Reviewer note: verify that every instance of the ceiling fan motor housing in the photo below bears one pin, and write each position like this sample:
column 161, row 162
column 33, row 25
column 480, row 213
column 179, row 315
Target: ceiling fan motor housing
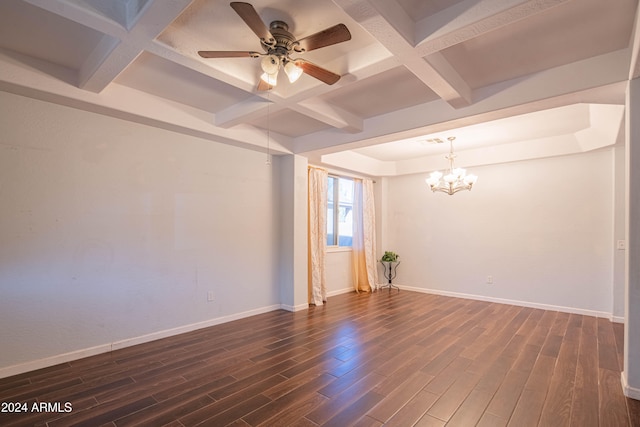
column 284, row 40
column 278, row 43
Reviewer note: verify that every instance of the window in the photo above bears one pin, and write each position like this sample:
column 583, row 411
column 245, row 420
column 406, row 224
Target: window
column 339, row 211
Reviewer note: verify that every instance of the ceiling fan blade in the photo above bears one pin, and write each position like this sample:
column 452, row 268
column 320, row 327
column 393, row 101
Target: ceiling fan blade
column 318, row 72
column 332, row 35
column 227, row 54
column 263, row 86
column 252, row 19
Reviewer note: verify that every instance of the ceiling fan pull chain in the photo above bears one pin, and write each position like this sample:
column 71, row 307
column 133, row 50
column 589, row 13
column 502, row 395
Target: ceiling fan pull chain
column 268, row 162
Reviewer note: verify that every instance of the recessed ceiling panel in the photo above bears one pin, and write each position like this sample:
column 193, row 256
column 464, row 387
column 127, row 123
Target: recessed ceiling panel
column 124, row 12
column 34, row 32
column 289, row 123
column 420, row 9
column 542, row 124
column 391, row 90
column 560, row 35
column 157, row 76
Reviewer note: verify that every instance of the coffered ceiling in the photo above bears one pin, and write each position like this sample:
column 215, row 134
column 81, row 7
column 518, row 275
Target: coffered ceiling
column 510, row 79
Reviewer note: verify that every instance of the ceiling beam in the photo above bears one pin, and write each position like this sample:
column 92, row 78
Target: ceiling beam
column 244, row 112
column 362, row 67
column 108, row 59
column 82, row 15
column 329, row 114
column 589, row 80
column 469, row 19
column 194, row 62
column 96, row 75
column 254, row 108
column 119, row 47
column 394, row 31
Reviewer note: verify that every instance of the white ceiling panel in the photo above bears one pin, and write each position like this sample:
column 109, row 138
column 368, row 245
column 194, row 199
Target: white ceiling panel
column 166, row 79
column 36, row 33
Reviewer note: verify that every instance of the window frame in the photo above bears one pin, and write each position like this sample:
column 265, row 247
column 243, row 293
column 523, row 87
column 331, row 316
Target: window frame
column 336, row 247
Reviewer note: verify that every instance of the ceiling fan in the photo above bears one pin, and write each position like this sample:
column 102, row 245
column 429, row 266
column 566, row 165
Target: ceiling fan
column 279, row 44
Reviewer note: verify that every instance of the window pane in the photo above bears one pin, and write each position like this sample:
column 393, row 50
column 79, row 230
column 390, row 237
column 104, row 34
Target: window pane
column 339, row 211
column 345, row 217
column 331, row 234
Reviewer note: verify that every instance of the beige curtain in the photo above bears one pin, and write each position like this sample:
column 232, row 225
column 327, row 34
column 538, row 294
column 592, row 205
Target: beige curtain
column 317, row 229
column 365, row 272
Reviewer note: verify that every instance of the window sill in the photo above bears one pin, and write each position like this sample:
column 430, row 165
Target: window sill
column 339, row 248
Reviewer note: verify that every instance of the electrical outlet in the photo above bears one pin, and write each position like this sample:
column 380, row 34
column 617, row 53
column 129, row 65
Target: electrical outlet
column 210, row 296
column 489, row 280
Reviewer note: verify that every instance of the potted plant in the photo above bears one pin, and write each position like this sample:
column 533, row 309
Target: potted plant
column 390, row 263
column 390, row 257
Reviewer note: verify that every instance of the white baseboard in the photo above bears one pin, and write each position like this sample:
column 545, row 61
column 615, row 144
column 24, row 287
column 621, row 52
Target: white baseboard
column 128, row 342
column 631, row 392
column 294, row 308
column 572, row 310
column 33, row 365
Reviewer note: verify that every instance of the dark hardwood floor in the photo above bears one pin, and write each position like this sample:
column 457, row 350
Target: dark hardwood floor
column 387, row 358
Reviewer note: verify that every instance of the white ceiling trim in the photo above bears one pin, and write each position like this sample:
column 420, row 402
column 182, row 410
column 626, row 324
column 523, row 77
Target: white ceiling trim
column 604, row 126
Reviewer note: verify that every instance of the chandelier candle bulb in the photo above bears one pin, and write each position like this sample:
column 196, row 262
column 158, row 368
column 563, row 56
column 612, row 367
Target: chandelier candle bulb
column 470, row 179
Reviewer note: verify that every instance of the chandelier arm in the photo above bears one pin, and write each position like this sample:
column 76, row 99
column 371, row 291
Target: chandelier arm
column 451, row 189
column 461, row 188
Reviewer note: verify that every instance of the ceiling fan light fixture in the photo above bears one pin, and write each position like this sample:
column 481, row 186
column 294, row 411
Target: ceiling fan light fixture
column 270, row 64
column 278, row 43
column 270, row 79
column 292, row 71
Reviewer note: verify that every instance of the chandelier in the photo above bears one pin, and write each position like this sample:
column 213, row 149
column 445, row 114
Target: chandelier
column 456, row 179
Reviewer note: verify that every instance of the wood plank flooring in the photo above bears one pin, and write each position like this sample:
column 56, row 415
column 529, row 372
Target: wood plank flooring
column 387, row 358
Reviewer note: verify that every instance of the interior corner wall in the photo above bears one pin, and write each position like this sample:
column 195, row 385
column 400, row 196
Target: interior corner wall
column 541, row 231
column 631, row 374
column 619, row 231
column 111, row 231
column 293, row 258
